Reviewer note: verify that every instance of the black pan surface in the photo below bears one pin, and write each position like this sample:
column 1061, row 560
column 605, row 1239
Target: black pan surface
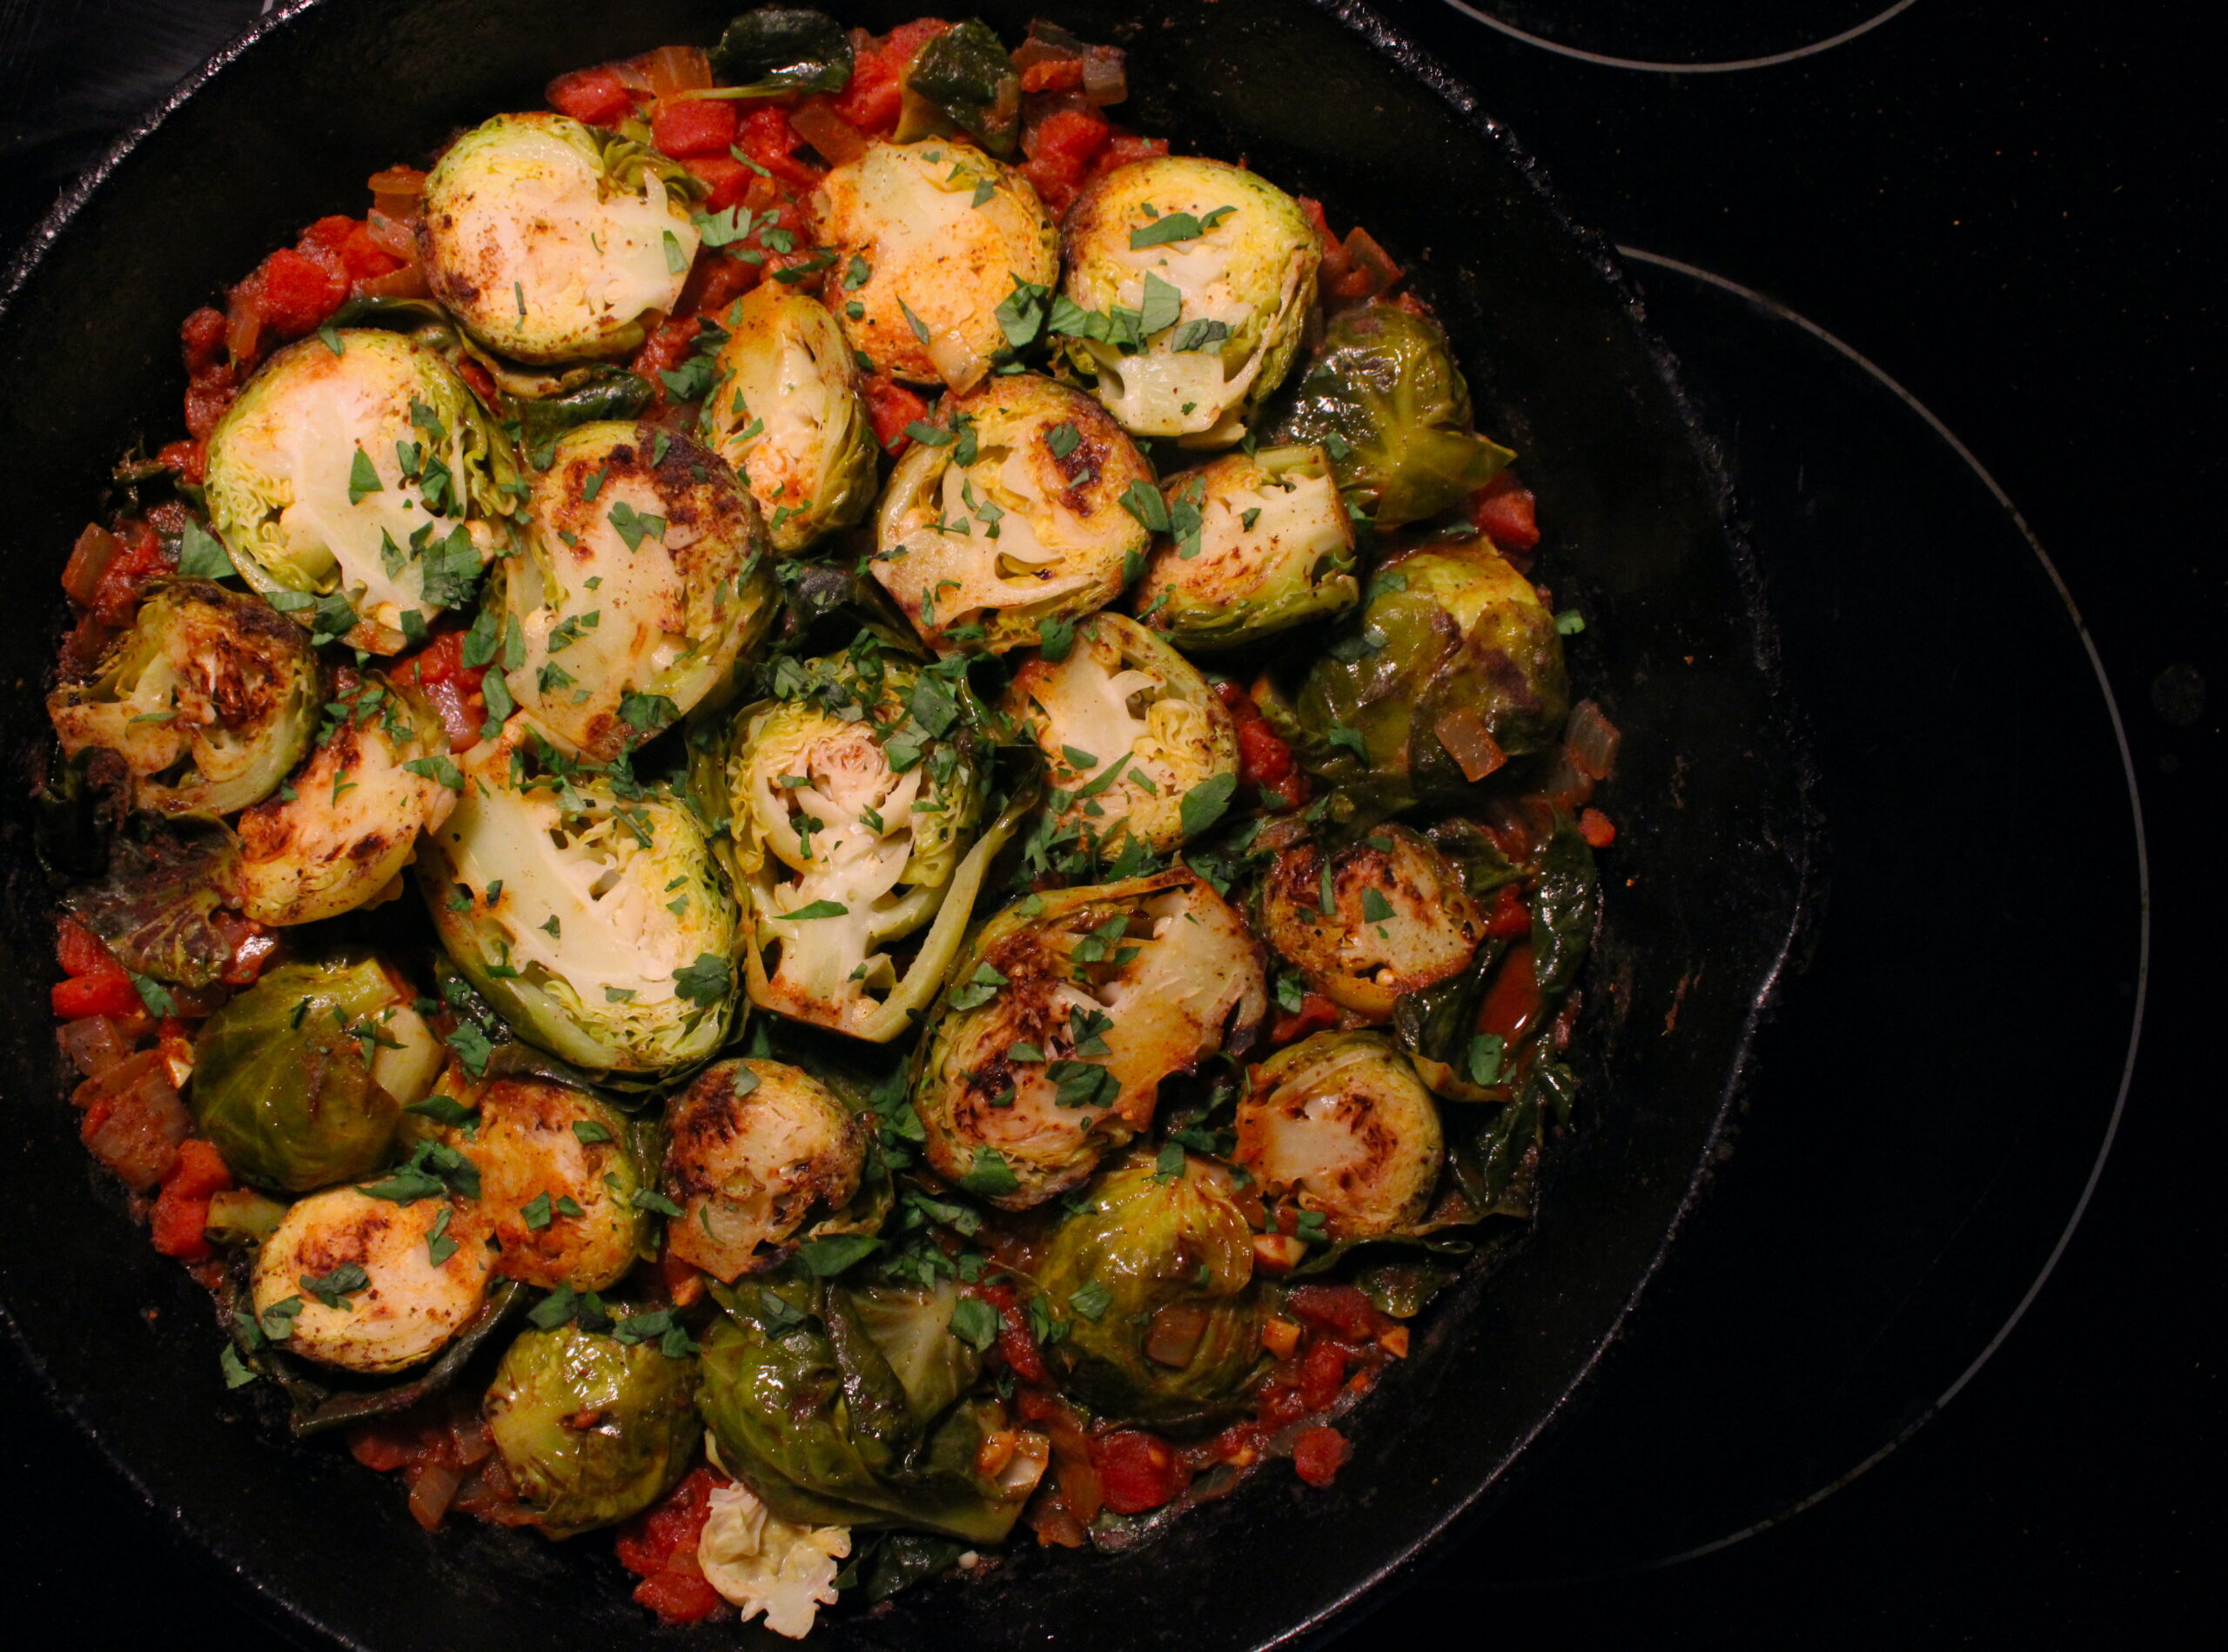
column 1711, row 867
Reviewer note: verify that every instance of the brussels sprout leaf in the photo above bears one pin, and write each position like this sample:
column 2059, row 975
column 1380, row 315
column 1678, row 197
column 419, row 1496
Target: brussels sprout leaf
column 774, row 50
column 201, row 554
column 1205, row 802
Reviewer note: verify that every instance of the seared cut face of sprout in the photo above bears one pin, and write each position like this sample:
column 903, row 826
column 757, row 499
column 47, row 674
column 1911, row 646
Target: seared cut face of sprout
column 1258, row 543
column 1340, row 1124
column 208, row 700
column 585, row 907
column 355, row 810
column 852, row 827
column 1190, row 280
column 785, row 411
column 557, row 1180
column 645, row 578
column 551, row 241
column 929, row 240
column 1384, row 917
column 1068, row 1010
column 1129, row 729
column 361, row 489
column 1016, row 523
column 348, row 1279
column 755, row 1149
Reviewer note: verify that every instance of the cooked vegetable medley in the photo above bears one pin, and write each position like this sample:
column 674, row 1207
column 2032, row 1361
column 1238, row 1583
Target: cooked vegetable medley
column 997, row 836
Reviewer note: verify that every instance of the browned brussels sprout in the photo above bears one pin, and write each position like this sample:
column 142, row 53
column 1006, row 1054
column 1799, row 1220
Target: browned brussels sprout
column 1383, row 917
column 352, row 1280
column 1340, row 1123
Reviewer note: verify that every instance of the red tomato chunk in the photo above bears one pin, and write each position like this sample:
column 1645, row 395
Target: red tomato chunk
column 1317, row 1452
column 1138, row 1471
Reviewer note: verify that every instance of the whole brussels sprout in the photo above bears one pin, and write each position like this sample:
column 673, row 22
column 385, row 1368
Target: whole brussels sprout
column 590, row 1429
column 754, row 1148
column 552, row 241
column 356, row 811
column 357, row 1281
column 645, row 579
column 558, row 1175
column 807, row 1408
column 586, row 908
column 1386, row 400
column 1457, row 668
column 364, row 489
column 850, row 827
column 991, row 541
column 1400, row 919
column 1340, row 1123
column 299, row 1081
column 1068, row 1010
column 1191, row 280
column 929, row 238
column 1150, row 1278
column 210, row 699
column 1267, row 545
column 786, row 411
column 1129, row 729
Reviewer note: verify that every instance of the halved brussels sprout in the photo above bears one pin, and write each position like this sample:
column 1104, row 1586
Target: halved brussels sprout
column 299, row 1081
column 1340, row 1123
column 754, row 1148
column 586, row 907
column 208, row 699
column 1015, row 525
column 848, row 833
column 551, row 241
column 1129, row 728
column 1264, row 544
column 1069, row 1008
column 355, row 812
column 557, row 1179
column 1386, row 400
column 590, row 1430
column 1460, row 668
column 367, row 485
column 350, row 1279
column 929, row 240
column 786, row 411
column 645, row 579
column 1195, row 278
column 1176, row 1335
column 1398, row 918
column 807, row 1406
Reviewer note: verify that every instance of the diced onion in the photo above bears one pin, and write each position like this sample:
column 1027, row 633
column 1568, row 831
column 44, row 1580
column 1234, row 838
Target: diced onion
column 1592, row 740
column 837, row 140
column 1467, row 740
column 674, row 68
column 1105, row 76
column 93, row 1044
column 433, row 1486
column 89, row 559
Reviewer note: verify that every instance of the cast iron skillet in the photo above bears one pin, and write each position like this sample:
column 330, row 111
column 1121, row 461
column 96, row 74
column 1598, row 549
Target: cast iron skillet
column 1707, row 877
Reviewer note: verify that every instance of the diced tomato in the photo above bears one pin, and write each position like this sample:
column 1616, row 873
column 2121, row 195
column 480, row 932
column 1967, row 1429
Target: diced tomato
column 450, row 686
column 182, row 1208
column 768, row 138
column 1508, row 919
column 1504, row 510
column 1264, row 761
column 481, row 380
column 667, row 348
column 1315, row 1012
column 1317, row 1454
column 1059, row 147
column 188, row 459
column 1139, row 1471
column 871, row 101
column 1281, row 1404
column 689, row 127
column 201, row 339
column 658, row 1546
column 366, row 260
column 82, row 952
column 326, row 235
column 295, row 292
column 1511, row 997
column 714, row 284
column 1122, row 148
column 1336, row 264
column 1054, row 74
column 724, row 176
column 893, row 407
column 1341, row 1308
column 116, row 598
column 1016, row 1346
column 1596, row 829
column 87, row 994
column 1322, row 1372
column 596, row 96
column 208, row 393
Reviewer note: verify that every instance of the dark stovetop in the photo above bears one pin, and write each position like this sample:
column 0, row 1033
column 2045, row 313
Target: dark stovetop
column 1935, row 278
